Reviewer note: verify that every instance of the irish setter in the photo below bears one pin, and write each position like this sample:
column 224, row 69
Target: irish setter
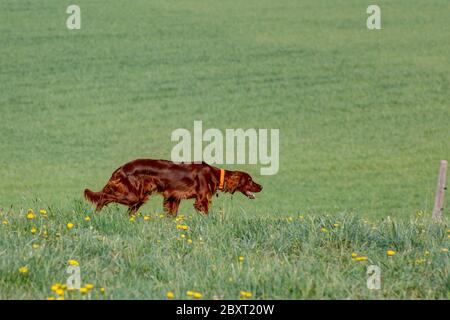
column 134, row 182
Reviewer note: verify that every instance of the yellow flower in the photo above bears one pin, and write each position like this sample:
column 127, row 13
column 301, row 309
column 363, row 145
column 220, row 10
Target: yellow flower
column 74, row 263
column 23, row 269
column 189, row 241
column 245, row 294
column 354, row 254
column 170, row 295
column 31, row 216
column 336, row 225
column 182, row 227
column 146, row 218
column 161, row 216
column 426, row 253
column 35, row 245
column 301, row 217
column 133, row 219
column 51, row 298
column 87, row 218
column 55, row 287
column 183, row 236
column 190, row 293
column 5, row 222
column 444, row 250
column 290, row 219
column 323, row 230
column 361, row 259
column 70, row 225
column 83, row 290
column 241, row 259
column 390, row 253
column 43, row 211
column 60, row 298
column 197, row 295
column 89, row 286
column 59, row 292
column 33, row 230
column 102, row 290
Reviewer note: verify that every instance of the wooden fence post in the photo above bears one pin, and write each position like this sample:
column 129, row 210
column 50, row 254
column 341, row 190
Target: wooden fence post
column 439, row 200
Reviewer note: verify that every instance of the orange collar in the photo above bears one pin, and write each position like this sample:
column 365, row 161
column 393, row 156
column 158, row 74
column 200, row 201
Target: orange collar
column 222, row 179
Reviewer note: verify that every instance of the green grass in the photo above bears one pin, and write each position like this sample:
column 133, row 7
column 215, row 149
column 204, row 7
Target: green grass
column 363, row 118
column 283, row 258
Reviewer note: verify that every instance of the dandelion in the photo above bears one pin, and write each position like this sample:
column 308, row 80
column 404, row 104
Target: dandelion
column 390, row 253
column 146, row 218
column 290, row 219
column 426, row 253
column 190, row 293
column 5, row 222
column 183, row 236
column 60, row 298
column 35, row 246
column 161, row 216
column 55, row 287
column 83, row 290
column 354, row 254
column 43, row 211
column 70, row 225
column 87, row 218
column 50, row 298
column 31, row 216
column 73, row 262
column 89, row 286
column 189, row 241
column 23, row 269
column 182, row 227
column 102, row 290
column 33, row 230
column 336, row 225
column 59, row 292
column 170, row 295
column 133, row 219
column 245, row 294
column 241, row 259
column 361, row 258
column 197, row 295
column 324, row 230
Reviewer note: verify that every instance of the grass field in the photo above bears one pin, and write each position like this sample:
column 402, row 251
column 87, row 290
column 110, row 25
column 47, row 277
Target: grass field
column 363, row 117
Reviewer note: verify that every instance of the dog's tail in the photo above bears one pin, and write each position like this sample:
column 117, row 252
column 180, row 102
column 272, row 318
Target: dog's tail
column 92, row 196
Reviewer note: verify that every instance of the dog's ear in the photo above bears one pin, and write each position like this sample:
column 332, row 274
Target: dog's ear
column 232, row 182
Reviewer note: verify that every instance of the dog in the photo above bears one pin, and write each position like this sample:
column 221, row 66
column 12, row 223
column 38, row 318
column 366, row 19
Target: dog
column 134, row 182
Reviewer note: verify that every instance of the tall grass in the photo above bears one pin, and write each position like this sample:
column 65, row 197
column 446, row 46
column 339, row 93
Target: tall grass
column 298, row 257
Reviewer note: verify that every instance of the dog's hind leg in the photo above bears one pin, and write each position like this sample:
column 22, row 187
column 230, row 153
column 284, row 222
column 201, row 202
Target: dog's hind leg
column 134, row 208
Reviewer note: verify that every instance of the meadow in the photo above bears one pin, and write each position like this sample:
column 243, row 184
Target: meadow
column 363, row 118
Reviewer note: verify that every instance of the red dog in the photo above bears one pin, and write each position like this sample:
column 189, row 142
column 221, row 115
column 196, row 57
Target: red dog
column 134, row 182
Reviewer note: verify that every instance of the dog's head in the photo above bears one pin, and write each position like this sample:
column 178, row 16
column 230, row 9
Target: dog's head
column 242, row 182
